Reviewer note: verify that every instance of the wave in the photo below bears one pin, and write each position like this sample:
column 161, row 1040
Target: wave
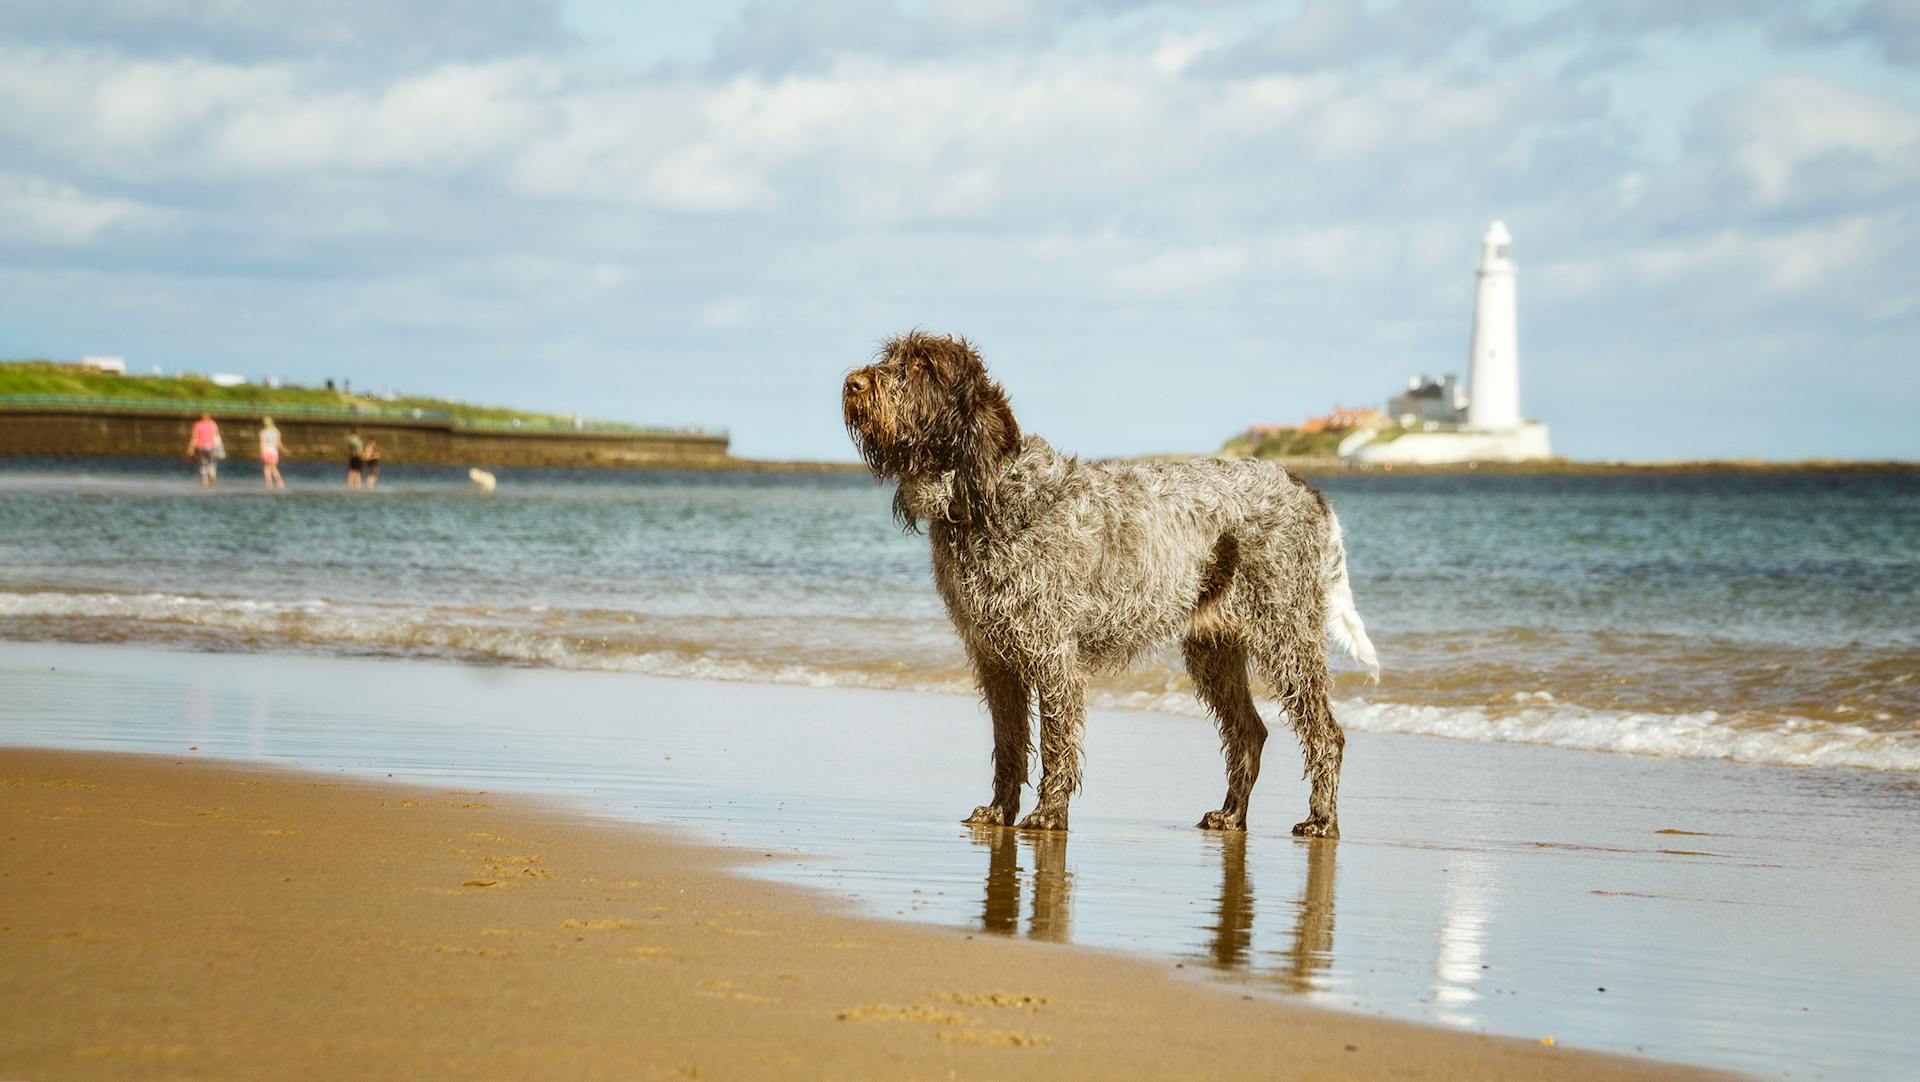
column 535, row 635
column 895, row 656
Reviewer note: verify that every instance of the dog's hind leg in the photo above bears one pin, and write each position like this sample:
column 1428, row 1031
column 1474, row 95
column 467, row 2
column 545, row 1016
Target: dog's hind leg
column 1219, row 670
column 1063, row 722
column 1303, row 682
column 1006, row 695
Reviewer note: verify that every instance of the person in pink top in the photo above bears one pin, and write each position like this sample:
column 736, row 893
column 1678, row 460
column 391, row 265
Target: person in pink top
column 204, row 449
column 271, row 448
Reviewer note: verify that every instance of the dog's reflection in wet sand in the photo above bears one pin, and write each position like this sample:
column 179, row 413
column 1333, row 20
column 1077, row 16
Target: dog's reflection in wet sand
column 1043, row 873
column 1052, row 884
column 1310, row 952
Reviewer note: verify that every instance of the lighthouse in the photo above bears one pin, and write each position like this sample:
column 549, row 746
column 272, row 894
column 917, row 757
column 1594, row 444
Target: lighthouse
column 1432, row 428
column 1493, row 403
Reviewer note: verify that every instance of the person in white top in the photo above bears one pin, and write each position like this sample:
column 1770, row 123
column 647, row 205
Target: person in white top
column 270, row 451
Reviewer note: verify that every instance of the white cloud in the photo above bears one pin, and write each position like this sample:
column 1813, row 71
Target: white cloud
column 1161, row 183
column 34, row 210
column 1182, row 270
column 1796, row 139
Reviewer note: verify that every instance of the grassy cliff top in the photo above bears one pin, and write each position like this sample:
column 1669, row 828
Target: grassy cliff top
column 1286, row 444
column 47, row 378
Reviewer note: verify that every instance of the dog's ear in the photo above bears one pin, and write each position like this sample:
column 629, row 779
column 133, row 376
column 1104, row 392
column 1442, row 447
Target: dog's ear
column 988, row 446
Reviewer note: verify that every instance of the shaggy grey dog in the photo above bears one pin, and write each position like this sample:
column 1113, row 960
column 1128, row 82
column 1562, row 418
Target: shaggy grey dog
column 1054, row 569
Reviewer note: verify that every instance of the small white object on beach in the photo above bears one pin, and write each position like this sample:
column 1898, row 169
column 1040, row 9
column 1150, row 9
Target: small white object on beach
column 482, row 480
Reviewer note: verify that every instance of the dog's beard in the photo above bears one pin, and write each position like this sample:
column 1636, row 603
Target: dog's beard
column 873, row 421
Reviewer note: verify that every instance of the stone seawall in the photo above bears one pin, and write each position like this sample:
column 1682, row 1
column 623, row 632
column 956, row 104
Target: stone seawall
column 51, row 430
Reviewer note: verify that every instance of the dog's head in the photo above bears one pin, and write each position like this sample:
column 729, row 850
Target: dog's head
column 924, row 409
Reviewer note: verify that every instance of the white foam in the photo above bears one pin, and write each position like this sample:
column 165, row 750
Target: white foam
column 1705, row 734
column 1530, row 717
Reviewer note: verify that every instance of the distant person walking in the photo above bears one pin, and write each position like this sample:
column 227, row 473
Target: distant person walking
column 370, row 462
column 205, row 450
column 356, row 460
column 271, row 448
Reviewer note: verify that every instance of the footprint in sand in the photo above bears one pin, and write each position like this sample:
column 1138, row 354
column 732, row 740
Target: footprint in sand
column 883, row 1012
column 720, row 989
column 994, row 1038
column 525, row 867
column 472, row 952
column 995, row 998
column 610, row 924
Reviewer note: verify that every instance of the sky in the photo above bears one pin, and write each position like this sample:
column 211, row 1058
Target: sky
column 1159, row 222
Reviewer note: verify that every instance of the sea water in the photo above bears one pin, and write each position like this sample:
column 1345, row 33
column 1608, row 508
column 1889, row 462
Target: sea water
column 1726, row 876
column 1758, row 617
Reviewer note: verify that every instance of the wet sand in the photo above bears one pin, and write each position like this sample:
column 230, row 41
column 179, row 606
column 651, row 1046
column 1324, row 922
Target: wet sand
column 1755, row 919
column 167, row 917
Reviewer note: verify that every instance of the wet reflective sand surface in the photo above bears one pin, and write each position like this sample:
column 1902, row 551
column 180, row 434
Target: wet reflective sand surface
column 1757, row 918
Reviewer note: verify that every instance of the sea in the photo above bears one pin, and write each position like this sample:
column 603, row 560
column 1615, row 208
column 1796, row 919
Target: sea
column 1660, row 799
column 1764, row 618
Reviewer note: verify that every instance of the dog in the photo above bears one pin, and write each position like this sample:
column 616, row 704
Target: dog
column 1054, row 569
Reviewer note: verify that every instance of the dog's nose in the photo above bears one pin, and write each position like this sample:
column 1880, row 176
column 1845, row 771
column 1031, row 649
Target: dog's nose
column 857, row 384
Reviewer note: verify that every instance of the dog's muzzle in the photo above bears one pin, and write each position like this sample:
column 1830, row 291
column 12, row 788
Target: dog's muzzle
column 858, row 399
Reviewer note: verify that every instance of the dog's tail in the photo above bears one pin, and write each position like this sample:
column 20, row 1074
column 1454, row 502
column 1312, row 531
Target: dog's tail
column 1343, row 619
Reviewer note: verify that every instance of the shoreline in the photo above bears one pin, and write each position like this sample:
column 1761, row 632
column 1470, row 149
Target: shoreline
column 1482, row 888
column 1307, row 467
column 1561, row 467
column 185, row 918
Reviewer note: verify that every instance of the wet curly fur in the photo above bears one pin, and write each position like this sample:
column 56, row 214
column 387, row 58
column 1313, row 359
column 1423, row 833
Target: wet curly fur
column 1054, row 569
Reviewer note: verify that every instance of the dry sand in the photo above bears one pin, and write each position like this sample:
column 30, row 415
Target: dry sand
column 164, row 918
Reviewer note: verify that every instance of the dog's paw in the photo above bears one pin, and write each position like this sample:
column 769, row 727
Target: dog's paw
column 1318, row 828
column 1045, row 819
column 1221, row 820
column 987, row 815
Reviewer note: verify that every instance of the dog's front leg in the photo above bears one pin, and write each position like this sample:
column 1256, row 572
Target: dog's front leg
column 1006, row 693
column 1063, row 716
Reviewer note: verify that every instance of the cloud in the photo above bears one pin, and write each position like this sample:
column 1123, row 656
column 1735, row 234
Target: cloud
column 779, row 37
column 1322, row 35
column 398, row 30
column 1287, row 207
column 1893, row 26
column 1807, row 145
column 34, row 211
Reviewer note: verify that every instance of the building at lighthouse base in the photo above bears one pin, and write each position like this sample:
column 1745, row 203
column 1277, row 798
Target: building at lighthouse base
column 1526, row 443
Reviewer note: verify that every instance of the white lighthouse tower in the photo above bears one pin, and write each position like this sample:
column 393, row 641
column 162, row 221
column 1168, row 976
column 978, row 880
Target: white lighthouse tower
column 1493, row 429
column 1494, row 387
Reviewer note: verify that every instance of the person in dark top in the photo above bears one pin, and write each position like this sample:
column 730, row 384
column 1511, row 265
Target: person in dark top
column 356, row 450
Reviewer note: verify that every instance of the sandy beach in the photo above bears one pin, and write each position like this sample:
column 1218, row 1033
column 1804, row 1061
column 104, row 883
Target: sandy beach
column 316, row 861
column 180, row 919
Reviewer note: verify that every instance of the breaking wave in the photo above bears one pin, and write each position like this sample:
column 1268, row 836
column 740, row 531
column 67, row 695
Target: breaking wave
column 897, row 655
